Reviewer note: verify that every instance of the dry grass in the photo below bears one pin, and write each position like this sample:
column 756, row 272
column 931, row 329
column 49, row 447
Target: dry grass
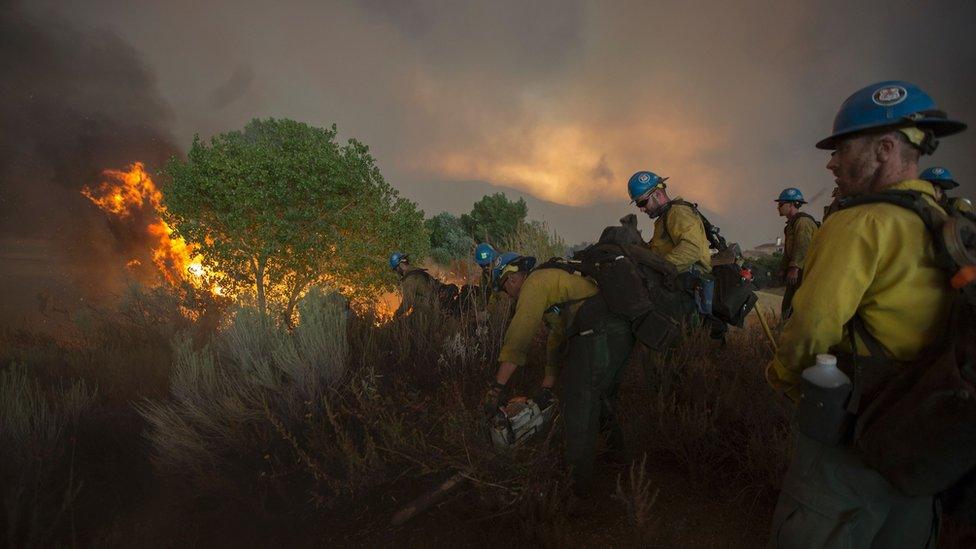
column 37, row 429
column 289, row 431
column 708, row 408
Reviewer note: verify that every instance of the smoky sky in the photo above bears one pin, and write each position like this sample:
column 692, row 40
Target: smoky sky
column 75, row 102
column 557, row 101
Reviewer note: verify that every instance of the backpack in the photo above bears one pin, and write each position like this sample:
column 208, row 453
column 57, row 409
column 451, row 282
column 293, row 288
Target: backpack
column 635, row 283
column 805, row 214
column 735, row 296
column 918, row 429
column 447, row 294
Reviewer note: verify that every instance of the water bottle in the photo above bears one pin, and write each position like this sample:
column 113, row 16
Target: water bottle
column 822, row 413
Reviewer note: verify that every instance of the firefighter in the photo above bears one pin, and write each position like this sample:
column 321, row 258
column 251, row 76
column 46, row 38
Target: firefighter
column 587, row 346
column 942, row 180
column 877, row 261
column 679, row 234
column 679, row 237
column 418, row 290
column 484, row 256
column 798, row 233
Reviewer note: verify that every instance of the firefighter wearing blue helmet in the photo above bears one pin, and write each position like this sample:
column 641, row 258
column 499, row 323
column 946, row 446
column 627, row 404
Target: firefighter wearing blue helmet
column 941, row 178
column 797, row 236
column 418, row 289
column 679, row 234
column 587, row 348
column 871, row 276
column 484, row 256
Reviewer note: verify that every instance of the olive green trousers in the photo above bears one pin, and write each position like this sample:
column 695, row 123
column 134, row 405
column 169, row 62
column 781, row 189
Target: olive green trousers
column 830, row 498
column 594, row 364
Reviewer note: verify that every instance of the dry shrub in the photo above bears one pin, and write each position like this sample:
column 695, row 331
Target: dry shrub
column 543, row 512
column 708, row 406
column 239, row 409
column 37, row 476
column 536, row 239
column 638, row 499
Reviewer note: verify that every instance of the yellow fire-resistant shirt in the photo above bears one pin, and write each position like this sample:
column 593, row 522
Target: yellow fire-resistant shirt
column 798, row 234
column 877, row 260
column 417, row 291
column 679, row 237
column 541, row 290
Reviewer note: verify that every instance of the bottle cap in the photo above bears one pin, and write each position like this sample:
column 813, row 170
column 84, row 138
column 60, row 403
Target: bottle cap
column 826, row 360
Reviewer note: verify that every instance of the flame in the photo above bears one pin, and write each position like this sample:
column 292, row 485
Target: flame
column 385, row 306
column 127, row 194
column 132, row 195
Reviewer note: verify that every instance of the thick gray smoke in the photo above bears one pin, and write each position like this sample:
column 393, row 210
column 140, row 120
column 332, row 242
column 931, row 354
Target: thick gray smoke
column 561, row 100
column 74, row 104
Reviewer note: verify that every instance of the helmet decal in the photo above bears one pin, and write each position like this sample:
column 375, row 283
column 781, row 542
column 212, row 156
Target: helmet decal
column 888, row 96
column 938, row 171
column 644, row 177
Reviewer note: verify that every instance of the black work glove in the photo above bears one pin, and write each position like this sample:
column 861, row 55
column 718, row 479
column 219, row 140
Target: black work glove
column 543, row 397
column 492, row 400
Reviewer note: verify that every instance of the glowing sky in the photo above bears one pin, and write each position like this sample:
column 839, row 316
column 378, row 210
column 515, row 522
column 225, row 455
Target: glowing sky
column 558, row 101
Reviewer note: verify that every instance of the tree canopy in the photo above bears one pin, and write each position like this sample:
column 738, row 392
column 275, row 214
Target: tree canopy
column 494, row 218
column 448, row 239
column 280, row 205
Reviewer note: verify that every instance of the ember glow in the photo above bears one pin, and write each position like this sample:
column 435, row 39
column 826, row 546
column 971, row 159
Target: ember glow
column 133, row 194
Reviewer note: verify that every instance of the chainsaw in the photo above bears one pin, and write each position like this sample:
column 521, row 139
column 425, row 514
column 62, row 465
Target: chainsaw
column 518, row 420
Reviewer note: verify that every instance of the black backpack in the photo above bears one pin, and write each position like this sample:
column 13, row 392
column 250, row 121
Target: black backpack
column 447, row 294
column 805, row 214
column 918, row 427
column 735, row 295
column 635, row 283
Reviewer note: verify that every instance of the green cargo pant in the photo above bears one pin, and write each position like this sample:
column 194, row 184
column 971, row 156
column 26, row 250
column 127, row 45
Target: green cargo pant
column 590, row 377
column 830, row 498
column 786, row 308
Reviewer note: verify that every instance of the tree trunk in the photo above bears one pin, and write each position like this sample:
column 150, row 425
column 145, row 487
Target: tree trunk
column 296, row 290
column 258, row 266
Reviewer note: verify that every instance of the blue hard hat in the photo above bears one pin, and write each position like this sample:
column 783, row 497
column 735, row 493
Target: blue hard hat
column 484, row 254
column 643, row 182
column 506, row 260
column 889, row 104
column 396, row 258
column 791, row 194
column 939, row 176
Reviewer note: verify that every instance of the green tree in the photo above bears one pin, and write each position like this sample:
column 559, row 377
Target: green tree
column 448, row 239
column 494, row 218
column 281, row 205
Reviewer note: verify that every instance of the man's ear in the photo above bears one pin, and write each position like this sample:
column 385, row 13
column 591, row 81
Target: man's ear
column 885, row 146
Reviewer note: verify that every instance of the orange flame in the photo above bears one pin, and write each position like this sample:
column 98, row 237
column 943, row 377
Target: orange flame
column 126, row 193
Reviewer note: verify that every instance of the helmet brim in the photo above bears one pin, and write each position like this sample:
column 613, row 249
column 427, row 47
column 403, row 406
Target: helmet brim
column 940, row 127
column 944, row 184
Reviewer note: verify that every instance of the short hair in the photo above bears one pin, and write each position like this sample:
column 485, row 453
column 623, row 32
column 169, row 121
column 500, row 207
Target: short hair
column 908, row 151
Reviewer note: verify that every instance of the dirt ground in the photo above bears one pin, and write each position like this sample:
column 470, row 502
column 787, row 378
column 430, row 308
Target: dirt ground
column 681, row 517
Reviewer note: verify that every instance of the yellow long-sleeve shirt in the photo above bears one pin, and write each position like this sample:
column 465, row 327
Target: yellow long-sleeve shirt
column 541, row 290
column 417, row 291
column 679, row 237
column 877, row 260
column 798, row 234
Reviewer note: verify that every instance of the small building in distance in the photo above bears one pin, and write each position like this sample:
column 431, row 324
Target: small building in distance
column 765, row 249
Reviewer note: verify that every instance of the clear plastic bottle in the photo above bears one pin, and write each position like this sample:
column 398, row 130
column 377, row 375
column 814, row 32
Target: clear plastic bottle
column 822, row 411
column 825, row 373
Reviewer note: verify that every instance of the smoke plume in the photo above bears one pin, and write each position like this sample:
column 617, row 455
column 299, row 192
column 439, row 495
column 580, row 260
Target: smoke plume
column 74, row 104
